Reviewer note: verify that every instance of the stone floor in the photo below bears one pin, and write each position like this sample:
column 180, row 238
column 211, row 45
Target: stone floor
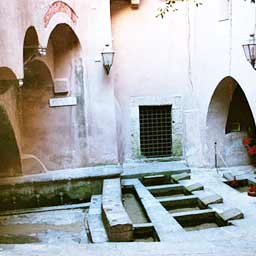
column 237, row 239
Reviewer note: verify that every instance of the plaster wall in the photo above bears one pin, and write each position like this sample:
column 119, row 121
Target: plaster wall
column 188, row 53
column 94, row 121
column 148, row 65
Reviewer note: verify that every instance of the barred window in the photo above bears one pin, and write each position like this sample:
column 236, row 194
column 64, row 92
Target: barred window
column 156, row 130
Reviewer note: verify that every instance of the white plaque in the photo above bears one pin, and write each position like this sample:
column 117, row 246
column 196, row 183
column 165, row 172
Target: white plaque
column 64, row 101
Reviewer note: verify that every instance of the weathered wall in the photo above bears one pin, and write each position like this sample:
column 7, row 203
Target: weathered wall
column 149, row 68
column 68, row 136
column 10, row 162
column 187, row 54
column 183, row 56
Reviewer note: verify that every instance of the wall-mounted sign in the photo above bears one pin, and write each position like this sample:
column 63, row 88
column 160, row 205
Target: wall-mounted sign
column 59, row 7
column 64, row 101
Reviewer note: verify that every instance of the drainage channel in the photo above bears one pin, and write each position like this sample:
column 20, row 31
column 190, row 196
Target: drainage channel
column 144, row 231
column 187, row 206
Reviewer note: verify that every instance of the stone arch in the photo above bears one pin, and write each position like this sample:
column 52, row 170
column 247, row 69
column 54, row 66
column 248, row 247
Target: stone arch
column 7, row 74
column 64, row 51
column 227, row 124
column 30, row 45
column 58, row 130
column 10, row 162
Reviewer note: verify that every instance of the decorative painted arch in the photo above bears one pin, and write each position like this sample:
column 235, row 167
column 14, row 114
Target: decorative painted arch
column 59, row 7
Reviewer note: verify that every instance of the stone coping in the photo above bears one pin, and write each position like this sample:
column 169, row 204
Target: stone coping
column 96, row 227
column 87, row 173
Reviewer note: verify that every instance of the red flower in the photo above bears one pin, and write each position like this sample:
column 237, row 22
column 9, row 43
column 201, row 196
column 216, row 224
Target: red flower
column 252, row 188
column 246, row 141
column 251, row 150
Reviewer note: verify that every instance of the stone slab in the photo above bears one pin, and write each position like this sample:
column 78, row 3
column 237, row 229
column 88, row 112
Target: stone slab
column 195, row 187
column 67, row 174
column 232, row 214
column 211, row 199
column 97, row 230
column 181, row 176
column 118, row 223
column 138, row 170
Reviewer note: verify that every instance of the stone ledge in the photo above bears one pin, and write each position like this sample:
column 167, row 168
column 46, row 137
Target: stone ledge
column 118, row 223
column 232, row 214
column 96, row 227
column 86, row 173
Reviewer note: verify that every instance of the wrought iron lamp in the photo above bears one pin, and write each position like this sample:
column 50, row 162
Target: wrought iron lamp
column 20, row 82
column 107, row 57
column 42, row 51
column 250, row 51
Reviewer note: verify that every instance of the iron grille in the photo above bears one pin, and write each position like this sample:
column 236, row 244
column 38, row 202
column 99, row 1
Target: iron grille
column 156, row 131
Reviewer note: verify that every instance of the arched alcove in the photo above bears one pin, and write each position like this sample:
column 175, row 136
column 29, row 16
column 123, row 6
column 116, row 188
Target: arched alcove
column 229, row 121
column 10, row 163
column 31, row 44
column 53, row 105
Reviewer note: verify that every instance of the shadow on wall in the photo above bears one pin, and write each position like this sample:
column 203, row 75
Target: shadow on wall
column 229, row 120
column 10, row 164
column 52, row 135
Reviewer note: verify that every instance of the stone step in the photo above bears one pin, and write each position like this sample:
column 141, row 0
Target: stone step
column 165, row 225
column 208, row 197
column 118, row 223
column 226, row 212
column 181, row 176
column 94, row 219
column 232, row 214
column 194, row 187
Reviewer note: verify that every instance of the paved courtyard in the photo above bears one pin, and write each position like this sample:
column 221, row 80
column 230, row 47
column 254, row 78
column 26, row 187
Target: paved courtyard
column 63, row 232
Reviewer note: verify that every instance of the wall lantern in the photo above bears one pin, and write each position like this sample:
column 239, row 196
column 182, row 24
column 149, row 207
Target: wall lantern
column 20, row 82
column 42, row 51
column 250, row 50
column 107, row 57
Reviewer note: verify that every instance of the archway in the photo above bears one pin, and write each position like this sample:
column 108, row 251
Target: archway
column 229, row 121
column 31, row 45
column 10, row 163
column 53, row 105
